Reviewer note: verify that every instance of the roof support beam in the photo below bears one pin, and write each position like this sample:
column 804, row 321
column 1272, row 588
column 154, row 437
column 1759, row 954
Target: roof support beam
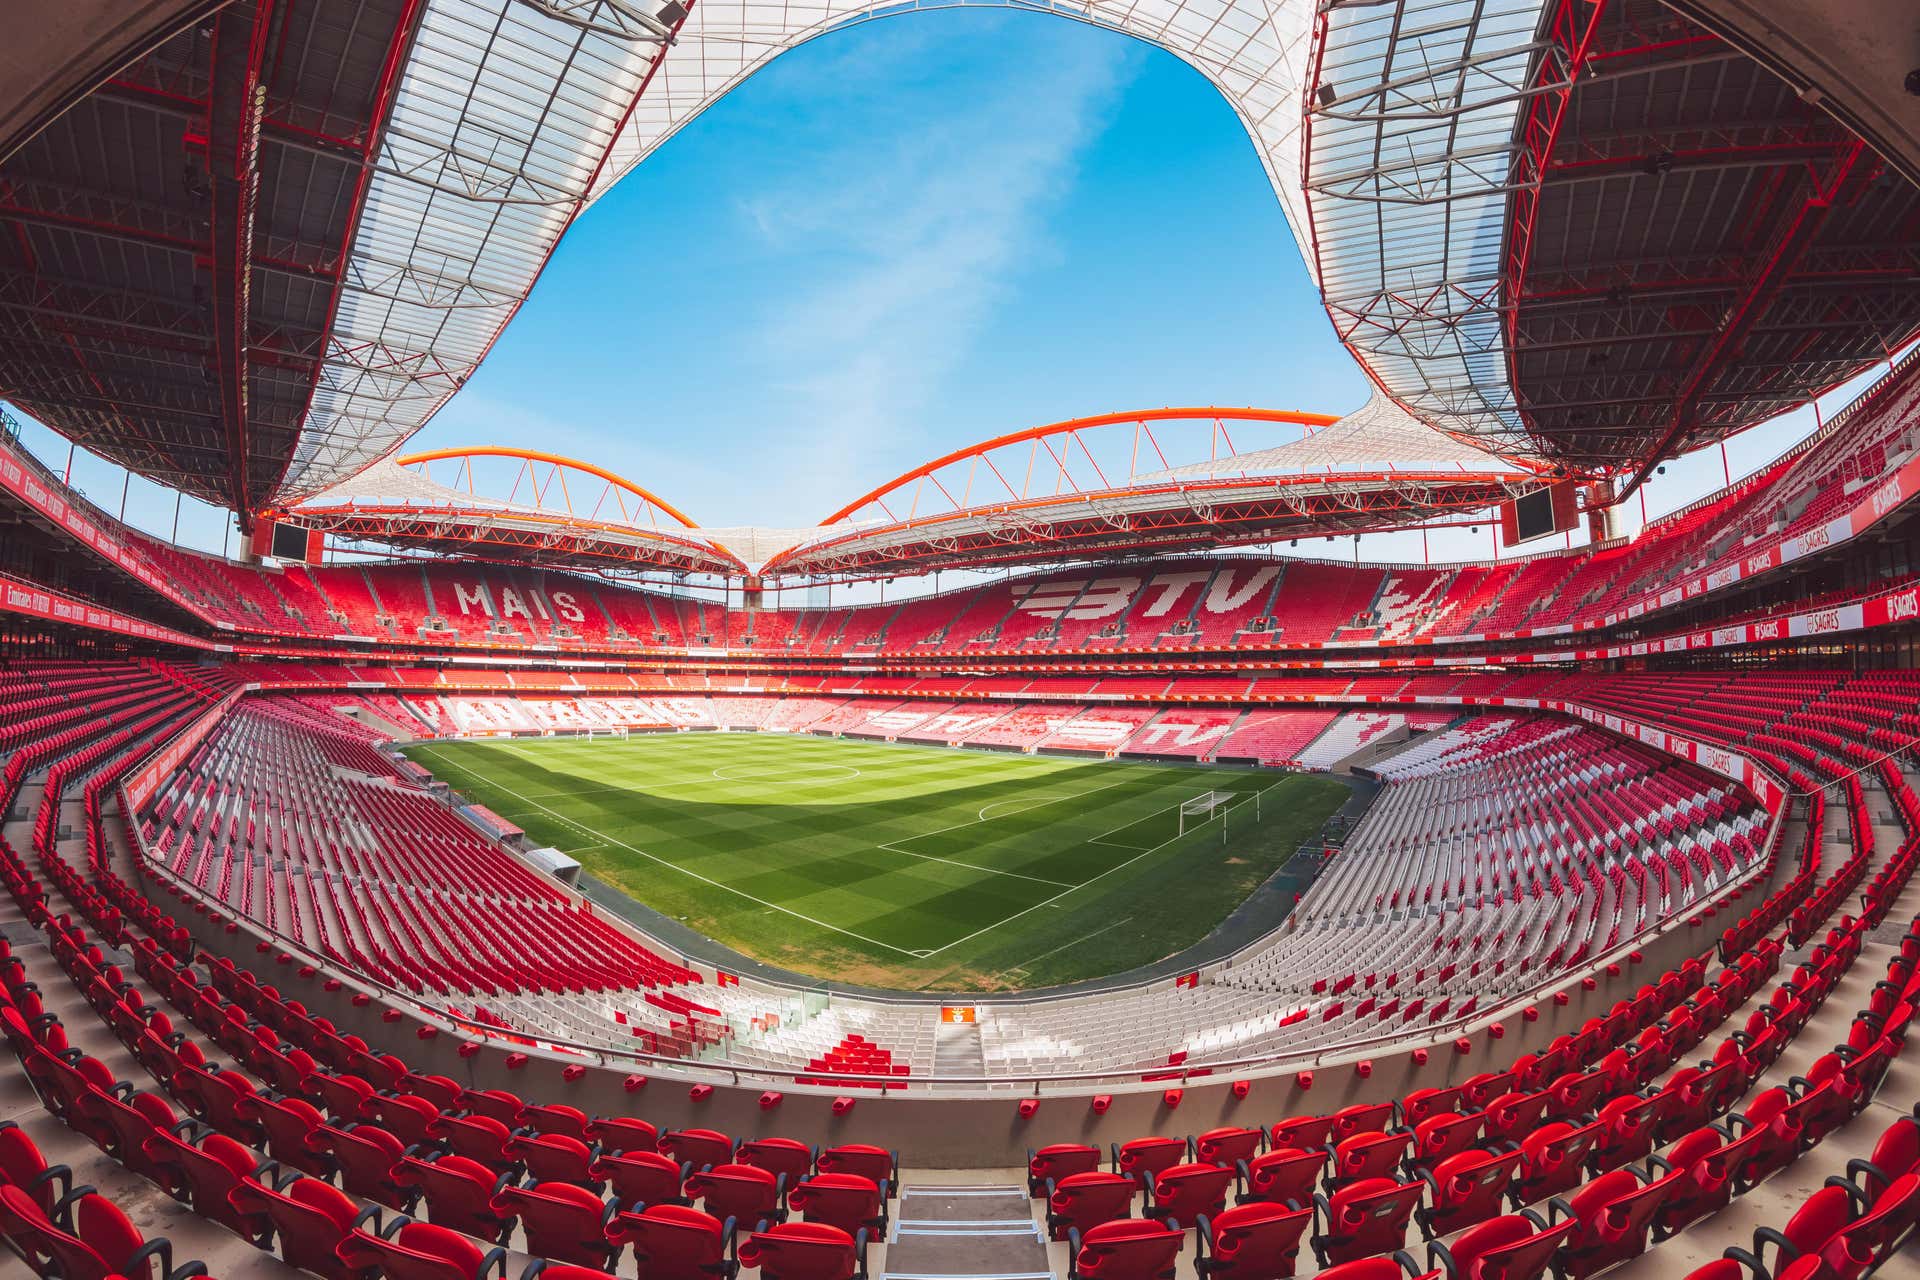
column 234, row 116
column 1570, row 27
column 1789, row 244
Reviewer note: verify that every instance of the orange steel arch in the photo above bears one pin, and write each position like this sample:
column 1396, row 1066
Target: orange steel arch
column 1290, row 417
column 534, row 455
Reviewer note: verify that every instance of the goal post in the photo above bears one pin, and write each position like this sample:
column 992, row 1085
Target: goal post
column 1209, row 805
column 615, row 731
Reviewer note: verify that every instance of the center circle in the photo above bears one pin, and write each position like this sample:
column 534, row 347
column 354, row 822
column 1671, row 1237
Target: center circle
column 783, row 775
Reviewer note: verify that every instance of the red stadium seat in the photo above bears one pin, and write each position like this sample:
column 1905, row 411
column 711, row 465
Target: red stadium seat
column 1252, row 1241
column 674, row 1242
column 409, row 1250
column 805, row 1251
column 561, row 1221
column 844, row 1200
column 1082, row 1201
column 1364, row 1218
column 310, row 1218
column 1057, row 1163
column 458, row 1192
column 1127, row 1249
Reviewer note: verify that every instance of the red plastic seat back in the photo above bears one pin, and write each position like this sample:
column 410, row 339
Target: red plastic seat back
column 802, row 1251
column 862, row 1159
column 1556, row 1156
column 289, row 1124
column 21, row 1165
column 1513, row 1116
column 1362, row 1117
column 210, row 1172
column 553, row 1157
column 495, row 1104
column 617, row 1134
column 639, row 1177
column 1872, row 1238
column 1186, row 1191
column 737, row 1191
column 458, row 1192
column 406, row 1116
column 1509, row 1248
column 1369, row 1155
column 418, row 1251
column 1286, row 1176
column 697, row 1147
column 1258, row 1241
column 561, row 1221
column 1614, row 1212
column 779, row 1156
column 310, row 1218
column 1085, row 1200
column 1301, row 1132
column 1130, row 1249
column 672, row 1241
column 366, row 1156
column 1423, row 1104
column 476, row 1137
column 1059, row 1161
column 1369, row 1217
column 47, row 1247
column 844, row 1200
column 1142, row 1159
column 556, row 1118
column 1227, row 1147
column 1444, row 1134
column 1470, row 1187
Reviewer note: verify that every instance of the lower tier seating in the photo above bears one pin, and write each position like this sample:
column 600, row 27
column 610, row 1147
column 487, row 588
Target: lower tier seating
column 1647, row 1141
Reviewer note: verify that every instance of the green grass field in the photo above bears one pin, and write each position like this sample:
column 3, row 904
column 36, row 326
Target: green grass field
column 897, row 865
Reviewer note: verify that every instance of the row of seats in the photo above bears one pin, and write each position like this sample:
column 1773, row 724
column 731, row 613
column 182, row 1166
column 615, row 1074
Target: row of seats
column 301, row 1150
column 178, row 983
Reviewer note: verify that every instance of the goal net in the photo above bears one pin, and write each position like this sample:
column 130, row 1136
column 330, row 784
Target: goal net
column 618, row 731
column 1207, row 806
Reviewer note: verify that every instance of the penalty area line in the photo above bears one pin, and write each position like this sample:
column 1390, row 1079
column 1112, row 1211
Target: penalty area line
column 1118, row 866
column 971, row 866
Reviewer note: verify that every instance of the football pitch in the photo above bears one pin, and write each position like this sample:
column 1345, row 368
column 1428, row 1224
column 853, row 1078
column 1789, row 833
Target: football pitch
column 900, row 865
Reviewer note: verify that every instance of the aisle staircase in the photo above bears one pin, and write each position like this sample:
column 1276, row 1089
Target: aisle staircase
column 954, row 1233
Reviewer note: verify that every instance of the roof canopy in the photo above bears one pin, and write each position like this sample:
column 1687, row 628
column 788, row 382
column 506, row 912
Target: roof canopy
column 1586, row 232
column 535, row 507
column 1113, row 485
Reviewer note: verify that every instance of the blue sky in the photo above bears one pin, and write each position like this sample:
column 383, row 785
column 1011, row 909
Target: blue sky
column 898, row 239
column 901, row 238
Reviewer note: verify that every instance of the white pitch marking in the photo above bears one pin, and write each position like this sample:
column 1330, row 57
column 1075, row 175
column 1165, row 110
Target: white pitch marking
column 579, row 826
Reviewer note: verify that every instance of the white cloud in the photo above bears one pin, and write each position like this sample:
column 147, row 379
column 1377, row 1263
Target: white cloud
column 918, row 241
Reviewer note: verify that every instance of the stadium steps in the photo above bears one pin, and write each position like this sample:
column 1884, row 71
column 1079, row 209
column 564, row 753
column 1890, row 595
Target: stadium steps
column 335, row 614
column 1377, row 751
column 286, row 605
column 1239, row 719
column 951, row 1233
column 1367, row 616
column 956, row 1050
column 1266, row 609
column 1188, row 618
column 158, row 1214
column 426, row 592
column 381, row 612
column 613, row 628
